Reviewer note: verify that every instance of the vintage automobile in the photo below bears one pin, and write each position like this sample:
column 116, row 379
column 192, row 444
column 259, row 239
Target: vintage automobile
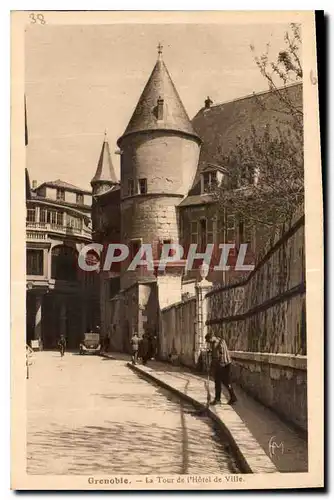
column 90, row 344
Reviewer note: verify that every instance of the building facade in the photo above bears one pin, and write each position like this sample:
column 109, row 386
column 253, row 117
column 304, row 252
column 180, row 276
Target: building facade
column 170, row 167
column 60, row 297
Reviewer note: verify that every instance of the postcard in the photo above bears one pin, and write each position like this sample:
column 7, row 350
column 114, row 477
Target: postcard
column 167, row 251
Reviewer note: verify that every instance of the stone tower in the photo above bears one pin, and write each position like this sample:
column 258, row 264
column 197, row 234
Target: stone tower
column 103, row 182
column 159, row 157
column 104, row 178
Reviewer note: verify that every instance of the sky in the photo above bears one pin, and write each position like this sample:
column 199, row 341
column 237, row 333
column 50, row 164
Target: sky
column 83, row 80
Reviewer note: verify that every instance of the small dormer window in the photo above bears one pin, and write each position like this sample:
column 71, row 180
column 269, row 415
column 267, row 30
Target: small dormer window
column 160, row 108
column 61, row 194
column 206, row 182
column 80, row 199
column 209, row 181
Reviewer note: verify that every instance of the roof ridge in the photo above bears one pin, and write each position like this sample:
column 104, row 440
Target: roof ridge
column 247, row 96
column 61, row 184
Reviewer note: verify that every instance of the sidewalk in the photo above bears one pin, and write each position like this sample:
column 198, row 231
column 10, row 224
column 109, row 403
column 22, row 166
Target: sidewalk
column 252, row 427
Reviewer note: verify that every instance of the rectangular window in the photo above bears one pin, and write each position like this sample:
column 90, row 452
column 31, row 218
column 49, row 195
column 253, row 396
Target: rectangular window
column 206, row 182
column 143, row 186
column 52, row 217
column 229, row 229
column 194, row 232
column 203, row 235
column 210, row 181
column 78, row 224
column 74, row 222
column 213, row 179
column 31, row 215
column 210, row 231
column 35, row 262
column 59, row 218
column 131, row 187
column 43, row 216
column 61, row 194
column 80, row 199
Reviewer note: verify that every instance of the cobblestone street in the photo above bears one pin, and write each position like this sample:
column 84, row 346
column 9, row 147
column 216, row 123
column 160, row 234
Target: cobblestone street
column 91, row 415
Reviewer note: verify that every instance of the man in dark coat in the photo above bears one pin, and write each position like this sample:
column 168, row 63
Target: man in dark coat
column 221, row 367
column 62, row 345
column 145, row 349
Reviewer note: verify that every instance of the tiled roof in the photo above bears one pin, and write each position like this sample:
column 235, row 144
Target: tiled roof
column 107, row 197
column 145, row 118
column 110, row 193
column 200, row 199
column 105, row 170
column 64, row 185
column 221, row 125
column 84, row 208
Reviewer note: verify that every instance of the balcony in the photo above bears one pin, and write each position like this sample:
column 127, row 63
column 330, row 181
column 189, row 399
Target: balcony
column 40, row 230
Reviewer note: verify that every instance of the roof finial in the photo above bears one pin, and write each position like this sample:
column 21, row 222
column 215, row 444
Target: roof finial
column 160, row 47
column 105, row 135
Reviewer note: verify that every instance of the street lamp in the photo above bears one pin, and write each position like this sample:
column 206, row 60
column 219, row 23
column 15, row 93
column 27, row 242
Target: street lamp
column 204, row 270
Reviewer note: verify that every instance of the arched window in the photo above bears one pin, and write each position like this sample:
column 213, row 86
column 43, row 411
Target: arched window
column 64, row 263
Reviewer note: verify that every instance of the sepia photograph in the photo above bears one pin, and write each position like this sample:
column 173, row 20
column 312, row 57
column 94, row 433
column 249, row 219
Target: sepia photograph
column 167, row 171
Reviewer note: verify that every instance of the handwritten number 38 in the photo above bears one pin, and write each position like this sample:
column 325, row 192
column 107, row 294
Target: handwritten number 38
column 37, row 18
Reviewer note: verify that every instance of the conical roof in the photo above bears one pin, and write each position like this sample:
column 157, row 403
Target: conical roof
column 174, row 117
column 105, row 170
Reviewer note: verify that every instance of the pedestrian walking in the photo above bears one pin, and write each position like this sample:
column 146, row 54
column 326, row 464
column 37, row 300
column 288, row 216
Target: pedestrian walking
column 62, row 345
column 221, row 367
column 145, row 349
column 106, row 342
column 154, row 347
column 134, row 347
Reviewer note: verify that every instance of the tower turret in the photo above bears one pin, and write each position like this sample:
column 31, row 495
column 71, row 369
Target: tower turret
column 105, row 177
column 159, row 159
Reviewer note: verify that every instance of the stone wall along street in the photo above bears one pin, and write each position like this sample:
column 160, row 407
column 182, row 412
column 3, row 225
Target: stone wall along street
column 263, row 320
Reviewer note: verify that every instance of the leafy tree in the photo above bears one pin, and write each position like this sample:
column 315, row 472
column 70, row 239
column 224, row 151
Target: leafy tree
column 266, row 167
column 287, row 69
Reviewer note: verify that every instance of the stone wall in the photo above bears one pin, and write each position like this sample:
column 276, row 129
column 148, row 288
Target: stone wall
column 277, row 380
column 263, row 321
column 150, row 220
column 266, row 312
column 178, row 331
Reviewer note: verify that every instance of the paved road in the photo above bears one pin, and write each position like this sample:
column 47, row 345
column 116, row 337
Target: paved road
column 91, row 415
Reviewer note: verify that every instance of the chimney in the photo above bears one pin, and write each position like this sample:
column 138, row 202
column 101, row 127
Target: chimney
column 34, row 184
column 208, row 102
column 160, row 105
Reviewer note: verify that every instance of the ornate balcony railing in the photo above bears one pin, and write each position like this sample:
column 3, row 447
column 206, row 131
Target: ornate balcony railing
column 40, row 230
column 36, row 235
